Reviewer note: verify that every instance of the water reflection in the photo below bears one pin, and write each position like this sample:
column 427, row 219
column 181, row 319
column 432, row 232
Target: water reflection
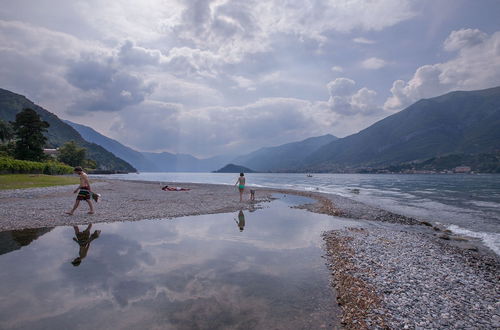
column 186, row 273
column 83, row 238
column 16, row 239
column 241, row 220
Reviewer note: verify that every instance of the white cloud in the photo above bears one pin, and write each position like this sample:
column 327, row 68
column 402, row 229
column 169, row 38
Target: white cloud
column 231, row 30
column 244, row 83
column 130, row 54
column 362, row 40
column 373, row 63
column 476, row 66
column 341, row 87
column 105, row 86
column 337, row 68
column 205, row 131
column 464, row 38
column 176, row 69
column 346, row 100
column 145, row 20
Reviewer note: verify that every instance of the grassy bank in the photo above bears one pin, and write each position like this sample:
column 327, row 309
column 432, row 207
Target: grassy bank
column 18, row 181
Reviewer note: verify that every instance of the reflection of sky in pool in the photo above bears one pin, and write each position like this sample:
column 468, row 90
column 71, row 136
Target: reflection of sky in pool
column 184, row 273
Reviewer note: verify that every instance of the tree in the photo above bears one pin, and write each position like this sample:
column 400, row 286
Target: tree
column 70, row 153
column 29, row 129
column 6, row 132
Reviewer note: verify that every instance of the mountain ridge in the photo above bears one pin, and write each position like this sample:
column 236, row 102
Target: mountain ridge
column 284, row 156
column 152, row 161
column 459, row 121
column 59, row 132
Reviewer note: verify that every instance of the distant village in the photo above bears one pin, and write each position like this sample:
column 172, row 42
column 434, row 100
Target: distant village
column 456, row 170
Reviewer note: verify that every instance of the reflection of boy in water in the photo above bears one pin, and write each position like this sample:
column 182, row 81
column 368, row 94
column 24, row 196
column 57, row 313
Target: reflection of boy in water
column 241, row 220
column 83, row 239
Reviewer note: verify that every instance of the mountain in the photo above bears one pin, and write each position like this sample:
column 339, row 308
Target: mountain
column 457, row 122
column 59, row 132
column 152, row 161
column 168, row 162
column 285, row 156
column 136, row 158
column 232, row 168
column 479, row 163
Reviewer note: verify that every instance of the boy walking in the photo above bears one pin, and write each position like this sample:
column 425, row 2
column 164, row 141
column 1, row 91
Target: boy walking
column 84, row 191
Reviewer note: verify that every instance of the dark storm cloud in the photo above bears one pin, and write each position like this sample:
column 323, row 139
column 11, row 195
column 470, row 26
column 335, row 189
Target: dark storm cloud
column 108, row 87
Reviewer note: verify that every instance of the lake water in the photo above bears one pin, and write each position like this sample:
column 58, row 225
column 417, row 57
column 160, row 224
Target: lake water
column 466, row 204
column 262, row 269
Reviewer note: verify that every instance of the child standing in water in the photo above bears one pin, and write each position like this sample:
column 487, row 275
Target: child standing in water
column 241, row 185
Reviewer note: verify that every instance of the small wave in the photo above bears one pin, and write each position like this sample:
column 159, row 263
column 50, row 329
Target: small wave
column 491, row 240
column 485, row 204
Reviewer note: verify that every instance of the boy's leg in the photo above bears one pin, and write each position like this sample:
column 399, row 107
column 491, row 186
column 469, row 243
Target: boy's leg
column 91, row 207
column 77, row 202
column 88, row 228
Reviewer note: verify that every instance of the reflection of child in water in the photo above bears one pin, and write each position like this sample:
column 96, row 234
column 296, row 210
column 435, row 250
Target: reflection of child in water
column 83, row 239
column 241, row 220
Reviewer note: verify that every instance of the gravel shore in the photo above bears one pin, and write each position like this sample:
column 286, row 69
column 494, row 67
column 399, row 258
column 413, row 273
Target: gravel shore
column 120, row 201
column 391, row 272
column 406, row 280
column 138, row 200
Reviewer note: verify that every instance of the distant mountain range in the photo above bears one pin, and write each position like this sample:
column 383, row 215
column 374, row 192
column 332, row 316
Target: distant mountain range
column 152, row 161
column 59, row 132
column 464, row 123
column 283, row 157
column 137, row 159
column 264, row 160
column 457, row 122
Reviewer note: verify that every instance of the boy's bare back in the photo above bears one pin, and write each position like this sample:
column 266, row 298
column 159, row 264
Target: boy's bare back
column 84, row 180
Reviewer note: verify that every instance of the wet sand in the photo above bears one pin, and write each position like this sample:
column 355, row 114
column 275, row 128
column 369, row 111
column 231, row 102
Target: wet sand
column 399, row 273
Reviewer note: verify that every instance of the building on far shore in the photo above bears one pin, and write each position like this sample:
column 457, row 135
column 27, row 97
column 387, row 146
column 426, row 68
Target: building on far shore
column 462, row 169
column 51, row 152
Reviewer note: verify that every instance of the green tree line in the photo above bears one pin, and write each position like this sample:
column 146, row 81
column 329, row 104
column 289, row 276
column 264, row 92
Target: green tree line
column 22, row 145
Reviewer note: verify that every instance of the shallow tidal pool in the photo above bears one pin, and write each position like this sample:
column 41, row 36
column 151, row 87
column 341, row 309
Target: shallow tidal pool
column 243, row 270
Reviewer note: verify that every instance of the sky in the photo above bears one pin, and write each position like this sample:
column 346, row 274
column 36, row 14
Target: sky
column 211, row 77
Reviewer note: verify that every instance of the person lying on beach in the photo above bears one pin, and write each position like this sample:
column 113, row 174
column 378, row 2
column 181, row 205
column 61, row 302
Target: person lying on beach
column 84, row 191
column 167, row 188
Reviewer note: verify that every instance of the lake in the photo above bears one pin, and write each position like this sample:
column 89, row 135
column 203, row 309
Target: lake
column 250, row 269
column 466, row 204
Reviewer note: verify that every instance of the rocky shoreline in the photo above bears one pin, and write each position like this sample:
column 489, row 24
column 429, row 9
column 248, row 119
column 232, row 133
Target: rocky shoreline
column 390, row 272
column 400, row 279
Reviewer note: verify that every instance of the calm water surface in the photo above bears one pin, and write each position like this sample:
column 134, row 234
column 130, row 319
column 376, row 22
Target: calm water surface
column 466, row 204
column 261, row 269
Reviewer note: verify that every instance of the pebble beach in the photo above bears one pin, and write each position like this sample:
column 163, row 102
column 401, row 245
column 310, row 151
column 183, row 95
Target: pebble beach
column 391, row 272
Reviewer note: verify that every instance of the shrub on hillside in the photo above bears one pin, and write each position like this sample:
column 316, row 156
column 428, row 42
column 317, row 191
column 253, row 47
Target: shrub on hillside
column 11, row 165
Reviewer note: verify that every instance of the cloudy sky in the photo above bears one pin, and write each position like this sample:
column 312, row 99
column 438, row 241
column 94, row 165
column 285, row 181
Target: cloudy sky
column 210, row 77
